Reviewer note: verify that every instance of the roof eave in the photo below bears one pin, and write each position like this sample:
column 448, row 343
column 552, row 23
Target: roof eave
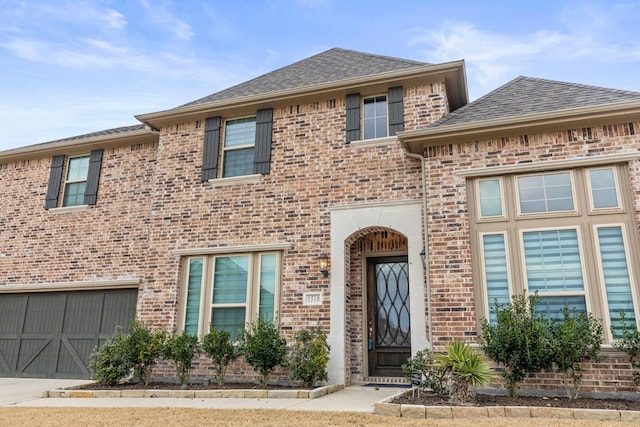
column 70, row 146
column 415, row 141
column 453, row 73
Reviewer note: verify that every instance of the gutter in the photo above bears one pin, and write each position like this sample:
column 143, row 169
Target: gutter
column 425, row 237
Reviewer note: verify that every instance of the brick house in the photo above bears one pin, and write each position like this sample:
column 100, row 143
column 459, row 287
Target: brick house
column 300, row 195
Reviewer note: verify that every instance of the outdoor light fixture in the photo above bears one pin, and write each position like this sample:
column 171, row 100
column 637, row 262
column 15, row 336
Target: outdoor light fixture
column 423, row 256
column 324, row 264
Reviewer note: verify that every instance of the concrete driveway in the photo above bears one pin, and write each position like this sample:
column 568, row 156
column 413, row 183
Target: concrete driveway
column 20, row 390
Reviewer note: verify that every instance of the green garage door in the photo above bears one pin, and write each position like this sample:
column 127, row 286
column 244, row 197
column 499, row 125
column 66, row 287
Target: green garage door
column 52, row 334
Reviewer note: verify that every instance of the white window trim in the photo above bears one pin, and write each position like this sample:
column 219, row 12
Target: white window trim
column 490, row 218
column 572, row 212
column 485, row 289
column 603, row 287
column 592, row 208
column 375, row 142
column 235, row 180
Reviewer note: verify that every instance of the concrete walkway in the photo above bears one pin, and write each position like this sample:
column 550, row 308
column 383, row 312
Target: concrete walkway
column 28, row 392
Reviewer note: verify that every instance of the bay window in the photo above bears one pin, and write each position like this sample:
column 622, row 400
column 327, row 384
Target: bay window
column 566, row 235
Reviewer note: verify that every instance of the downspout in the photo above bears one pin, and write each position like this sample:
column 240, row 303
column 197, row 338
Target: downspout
column 425, row 237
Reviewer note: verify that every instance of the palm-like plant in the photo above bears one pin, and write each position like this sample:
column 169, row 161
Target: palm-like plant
column 466, row 370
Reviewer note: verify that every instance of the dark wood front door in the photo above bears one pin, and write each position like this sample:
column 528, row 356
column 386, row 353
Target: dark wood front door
column 388, row 326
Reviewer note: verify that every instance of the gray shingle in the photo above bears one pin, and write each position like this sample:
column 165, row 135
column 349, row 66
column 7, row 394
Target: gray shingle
column 527, row 95
column 331, row 65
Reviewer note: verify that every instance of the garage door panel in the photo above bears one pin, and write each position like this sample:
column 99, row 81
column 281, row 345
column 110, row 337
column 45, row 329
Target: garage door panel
column 34, row 357
column 73, row 357
column 52, row 334
column 44, row 313
column 12, row 309
column 117, row 309
column 80, row 313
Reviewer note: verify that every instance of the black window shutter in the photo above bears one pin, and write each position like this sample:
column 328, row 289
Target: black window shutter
column 396, row 111
column 93, row 177
column 262, row 152
column 55, row 178
column 211, row 148
column 353, row 117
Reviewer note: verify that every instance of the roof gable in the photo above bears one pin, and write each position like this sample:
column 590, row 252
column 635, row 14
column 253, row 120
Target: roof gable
column 526, row 95
column 332, row 65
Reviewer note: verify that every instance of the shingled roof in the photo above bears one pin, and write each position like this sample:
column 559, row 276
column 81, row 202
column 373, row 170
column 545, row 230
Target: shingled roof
column 332, row 65
column 527, row 95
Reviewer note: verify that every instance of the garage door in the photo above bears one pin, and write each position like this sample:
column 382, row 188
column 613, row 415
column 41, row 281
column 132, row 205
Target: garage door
column 52, row 334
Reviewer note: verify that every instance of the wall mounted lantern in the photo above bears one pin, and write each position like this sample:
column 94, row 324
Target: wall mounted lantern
column 324, row 264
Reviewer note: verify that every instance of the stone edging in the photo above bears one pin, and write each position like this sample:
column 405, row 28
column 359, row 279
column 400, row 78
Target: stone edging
column 196, row 394
column 451, row 412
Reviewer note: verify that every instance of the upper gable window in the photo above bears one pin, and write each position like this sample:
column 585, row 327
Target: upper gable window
column 375, row 117
column 239, row 145
column 80, row 183
column 76, row 181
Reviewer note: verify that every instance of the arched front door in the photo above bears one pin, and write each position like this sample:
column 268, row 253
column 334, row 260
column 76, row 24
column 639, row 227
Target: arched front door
column 388, row 315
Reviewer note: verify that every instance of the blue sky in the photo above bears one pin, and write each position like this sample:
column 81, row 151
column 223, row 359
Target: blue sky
column 72, row 67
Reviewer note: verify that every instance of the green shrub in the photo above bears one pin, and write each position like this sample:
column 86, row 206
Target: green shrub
column 424, row 363
column 629, row 343
column 309, row 357
column 263, row 348
column 466, row 370
column 144, row 347
column 181, row 349
column 109, row 364
column 218, row 346
column 575, row 339
column 519, row 340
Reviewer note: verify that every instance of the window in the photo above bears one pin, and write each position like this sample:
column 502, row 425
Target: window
column 245, row 150
column 81, row 179
column 76, row 181
column 565, row 235
column 228, row 291
column 375, row 117
column 239, row 143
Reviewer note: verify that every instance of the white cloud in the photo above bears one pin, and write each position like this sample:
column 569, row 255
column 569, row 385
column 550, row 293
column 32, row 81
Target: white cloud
column 159, row 14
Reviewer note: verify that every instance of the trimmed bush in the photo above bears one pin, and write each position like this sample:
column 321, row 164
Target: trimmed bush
column 629, row 343
column 144, row 347
column 263, row 348
column 520, row 340
column 181, row 349
column 109, row 364
column 218, row 346
column 575, row 339
column 309, row 357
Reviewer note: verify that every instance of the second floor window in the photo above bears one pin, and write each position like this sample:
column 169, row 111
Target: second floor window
column 239, row 144
column 76, row 181
column 375, row 117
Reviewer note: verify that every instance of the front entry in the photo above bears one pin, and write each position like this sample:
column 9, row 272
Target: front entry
column 388, row 325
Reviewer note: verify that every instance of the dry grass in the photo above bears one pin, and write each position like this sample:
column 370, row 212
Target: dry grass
column 156, row 417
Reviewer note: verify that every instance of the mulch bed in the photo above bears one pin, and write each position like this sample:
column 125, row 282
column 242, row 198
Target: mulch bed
column 432, row 399
column 193, row 386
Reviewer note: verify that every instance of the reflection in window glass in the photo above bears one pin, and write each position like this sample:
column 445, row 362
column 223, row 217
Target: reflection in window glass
column 239, row 142
column 603, row 188
column 267, row 286
column 194, row 287
column 76, row 181
column 545, row 193
column 490, row 198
